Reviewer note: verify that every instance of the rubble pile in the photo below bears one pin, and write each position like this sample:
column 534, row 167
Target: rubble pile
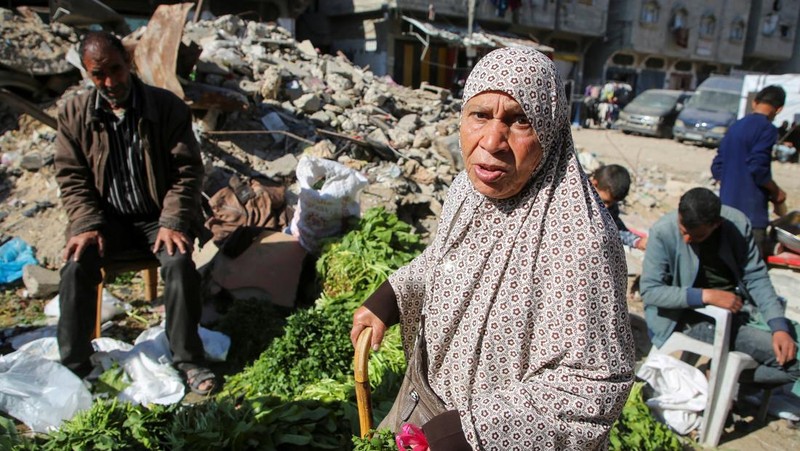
column 291, row 100
column 403, row 140
column 32, row 47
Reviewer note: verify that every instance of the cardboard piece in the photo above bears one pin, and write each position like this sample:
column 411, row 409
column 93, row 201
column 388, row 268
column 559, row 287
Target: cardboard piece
column 269, row 268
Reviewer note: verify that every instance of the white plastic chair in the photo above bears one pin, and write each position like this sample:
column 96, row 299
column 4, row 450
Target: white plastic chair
column 726, row 367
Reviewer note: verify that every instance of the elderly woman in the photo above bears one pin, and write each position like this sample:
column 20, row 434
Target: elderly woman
column 523, row 288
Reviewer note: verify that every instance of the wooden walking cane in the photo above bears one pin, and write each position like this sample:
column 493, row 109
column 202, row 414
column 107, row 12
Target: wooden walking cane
column 363, row 391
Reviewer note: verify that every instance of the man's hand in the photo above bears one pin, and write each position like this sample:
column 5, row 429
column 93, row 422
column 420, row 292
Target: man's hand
column 172, row 239
column 784, row 347
column 722, row 299
column 78, row 243
column 776, row 194
column 778, row 197
column 641, row 243
column 364, row 318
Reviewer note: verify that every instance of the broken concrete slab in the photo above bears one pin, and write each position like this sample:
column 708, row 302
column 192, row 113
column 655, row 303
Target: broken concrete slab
column 40, row 282
column 283, row 167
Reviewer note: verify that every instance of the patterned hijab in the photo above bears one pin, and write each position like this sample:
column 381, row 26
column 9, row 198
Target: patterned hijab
column 526, row 323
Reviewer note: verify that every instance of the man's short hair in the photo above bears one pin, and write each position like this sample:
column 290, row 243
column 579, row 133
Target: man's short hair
column 615, row 179
column 699, row 207
column 772, row 95
column 101, row 38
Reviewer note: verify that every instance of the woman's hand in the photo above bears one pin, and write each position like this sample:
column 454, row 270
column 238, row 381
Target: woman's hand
column 364, row 318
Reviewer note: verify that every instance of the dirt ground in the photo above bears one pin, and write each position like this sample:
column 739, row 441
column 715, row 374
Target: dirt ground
column 662, row 170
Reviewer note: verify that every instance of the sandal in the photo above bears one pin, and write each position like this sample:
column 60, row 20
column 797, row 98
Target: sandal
column 196, row 376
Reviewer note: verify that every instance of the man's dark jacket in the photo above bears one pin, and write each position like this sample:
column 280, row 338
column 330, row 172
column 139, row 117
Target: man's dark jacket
column 173, row 167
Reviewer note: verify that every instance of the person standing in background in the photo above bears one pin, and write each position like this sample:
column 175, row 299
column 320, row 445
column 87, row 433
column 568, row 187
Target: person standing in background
column 742, row 165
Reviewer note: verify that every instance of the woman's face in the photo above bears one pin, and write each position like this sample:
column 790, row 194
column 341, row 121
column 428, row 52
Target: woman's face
column 499, row 145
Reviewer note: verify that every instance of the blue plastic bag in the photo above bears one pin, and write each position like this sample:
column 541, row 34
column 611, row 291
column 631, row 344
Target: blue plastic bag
column 14, row 255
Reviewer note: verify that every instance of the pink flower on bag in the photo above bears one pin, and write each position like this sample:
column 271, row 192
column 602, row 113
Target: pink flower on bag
column 411, row 438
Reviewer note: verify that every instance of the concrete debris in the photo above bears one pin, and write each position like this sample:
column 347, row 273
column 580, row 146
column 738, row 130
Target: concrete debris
column 32, row 47
column 40, row 282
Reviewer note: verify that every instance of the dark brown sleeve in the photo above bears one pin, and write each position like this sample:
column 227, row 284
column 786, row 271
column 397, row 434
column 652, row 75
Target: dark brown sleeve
column 444, row 433
column 383, row 303
column 181, row 206
column 73, row 173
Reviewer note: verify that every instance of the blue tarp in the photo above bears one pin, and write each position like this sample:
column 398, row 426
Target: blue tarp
column 14, row 254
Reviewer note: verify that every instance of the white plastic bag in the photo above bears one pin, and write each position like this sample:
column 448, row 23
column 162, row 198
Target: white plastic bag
column 148, row 363
column 320, row 213
column 681, row 391
column 111, row 307
column 39, row 392
column 19, row 341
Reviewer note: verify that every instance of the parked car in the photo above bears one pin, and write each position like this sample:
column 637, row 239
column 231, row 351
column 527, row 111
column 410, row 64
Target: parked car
column 652, row 112
column 712, row 109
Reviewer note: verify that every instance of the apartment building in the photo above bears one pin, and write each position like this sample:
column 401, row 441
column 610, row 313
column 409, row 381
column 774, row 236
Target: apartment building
column 678, row 43
column 669, row 43
column 771, row 44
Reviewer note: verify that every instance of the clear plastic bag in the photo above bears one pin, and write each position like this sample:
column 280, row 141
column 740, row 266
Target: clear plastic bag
column 39, row 392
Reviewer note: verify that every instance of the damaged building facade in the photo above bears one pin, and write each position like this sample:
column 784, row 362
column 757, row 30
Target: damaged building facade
column 676, row 45
column 647, row 43
column 417, row 41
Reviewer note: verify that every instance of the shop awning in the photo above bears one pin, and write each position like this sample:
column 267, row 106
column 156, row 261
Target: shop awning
column 459, row 36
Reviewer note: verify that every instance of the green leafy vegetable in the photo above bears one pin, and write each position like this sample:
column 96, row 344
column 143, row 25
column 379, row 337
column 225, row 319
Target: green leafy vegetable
column 637, row 430
column 380, row 440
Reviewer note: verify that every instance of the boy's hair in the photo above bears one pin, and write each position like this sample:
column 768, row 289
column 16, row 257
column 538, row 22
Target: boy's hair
column 772, row 95
column 699, row 207
column 101, row 38
column 615, row 179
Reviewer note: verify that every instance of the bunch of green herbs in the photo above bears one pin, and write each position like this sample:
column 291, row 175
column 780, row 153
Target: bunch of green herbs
column 637, row 429
column 359, row 262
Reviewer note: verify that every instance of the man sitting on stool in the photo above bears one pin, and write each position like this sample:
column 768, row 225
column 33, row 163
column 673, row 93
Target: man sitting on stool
column 130, row 171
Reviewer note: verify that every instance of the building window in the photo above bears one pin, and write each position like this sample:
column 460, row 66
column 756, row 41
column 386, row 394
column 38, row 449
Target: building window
column 650, row 10
column 785, row 31
column 680, row 18
column 737, row 30
column 770, row 24
column 678, row 25
column 708, row 24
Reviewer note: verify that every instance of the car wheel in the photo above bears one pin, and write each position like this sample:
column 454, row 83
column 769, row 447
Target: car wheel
column 627, row 132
